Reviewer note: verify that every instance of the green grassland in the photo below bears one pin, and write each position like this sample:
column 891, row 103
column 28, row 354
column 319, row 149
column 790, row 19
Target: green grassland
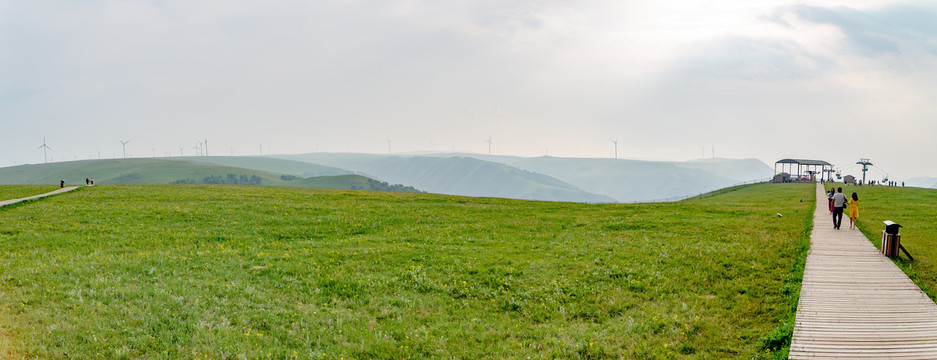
column 8, row 192
column 915, row 209
column 121, row 171
column 165, row 171
column 222, row 272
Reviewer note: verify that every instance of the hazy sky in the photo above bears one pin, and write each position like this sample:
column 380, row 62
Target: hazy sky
column 832, row 80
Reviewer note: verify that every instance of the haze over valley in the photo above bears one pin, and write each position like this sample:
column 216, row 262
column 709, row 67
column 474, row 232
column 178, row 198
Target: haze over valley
column 541, row 178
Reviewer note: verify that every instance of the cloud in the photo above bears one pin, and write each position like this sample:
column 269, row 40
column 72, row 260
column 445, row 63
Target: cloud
column 752, row 59
column 874, row 32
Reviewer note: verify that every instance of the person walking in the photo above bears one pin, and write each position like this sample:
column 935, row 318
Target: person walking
column 829, row 198
column 853, row 211
column 839, row 203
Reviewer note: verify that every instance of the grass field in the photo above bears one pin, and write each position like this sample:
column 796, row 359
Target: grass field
column 226, row 272
column 9, row 192
column 915, row 209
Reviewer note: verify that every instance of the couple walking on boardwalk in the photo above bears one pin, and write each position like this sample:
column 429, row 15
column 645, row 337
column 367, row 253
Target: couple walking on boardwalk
column 838, row 203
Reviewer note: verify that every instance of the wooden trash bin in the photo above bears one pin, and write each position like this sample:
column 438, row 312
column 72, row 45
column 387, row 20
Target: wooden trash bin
column 890, row 243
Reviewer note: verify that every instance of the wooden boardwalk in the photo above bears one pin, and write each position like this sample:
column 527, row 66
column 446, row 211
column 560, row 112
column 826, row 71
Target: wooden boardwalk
column 855, row 303
column 14, row 201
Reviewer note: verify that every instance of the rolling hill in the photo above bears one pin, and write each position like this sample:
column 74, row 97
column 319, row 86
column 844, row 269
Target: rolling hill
column 190, row 170
column 456, row 176
column 122, row 171
column 272, row 165
column 616, row 179
column 588, row 180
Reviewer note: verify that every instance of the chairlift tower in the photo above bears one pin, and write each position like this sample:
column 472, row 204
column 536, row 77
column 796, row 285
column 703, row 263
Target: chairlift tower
column 865, row 167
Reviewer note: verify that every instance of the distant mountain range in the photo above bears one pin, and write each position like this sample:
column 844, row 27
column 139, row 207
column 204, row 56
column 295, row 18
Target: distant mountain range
column 541, row 178
column 457, row 175
column 548, row 178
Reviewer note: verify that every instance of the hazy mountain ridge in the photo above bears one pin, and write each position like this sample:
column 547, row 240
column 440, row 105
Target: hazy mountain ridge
column 617, row 179
column 272, row 165
column 456, row 176
column 627, row 180
column 640, row 180
column 542, row 178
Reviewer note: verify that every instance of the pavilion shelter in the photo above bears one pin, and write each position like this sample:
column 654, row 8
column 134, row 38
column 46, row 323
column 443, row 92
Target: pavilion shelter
column 803, row 169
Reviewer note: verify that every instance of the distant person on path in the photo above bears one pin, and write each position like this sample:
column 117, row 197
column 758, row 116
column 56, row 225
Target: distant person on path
column 87, row 182
column 853, row 211
column 839, row 202
column 61, row 183
column 829, row 198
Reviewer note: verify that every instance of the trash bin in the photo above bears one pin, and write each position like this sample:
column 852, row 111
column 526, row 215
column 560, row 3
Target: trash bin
column 891, row 239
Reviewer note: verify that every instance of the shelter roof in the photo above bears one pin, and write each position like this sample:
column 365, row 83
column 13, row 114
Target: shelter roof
column 804, row 162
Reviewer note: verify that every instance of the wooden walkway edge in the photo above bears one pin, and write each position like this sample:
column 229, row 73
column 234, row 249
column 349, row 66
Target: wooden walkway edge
column 14, row 201
column 855, row 303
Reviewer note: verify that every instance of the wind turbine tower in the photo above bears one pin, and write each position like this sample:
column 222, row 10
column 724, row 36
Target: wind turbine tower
column 388, row 146
column 865, row 167
column 206, row 147
column 44, row 147
column 616, row 147
column 124, row 145
column 489, row 145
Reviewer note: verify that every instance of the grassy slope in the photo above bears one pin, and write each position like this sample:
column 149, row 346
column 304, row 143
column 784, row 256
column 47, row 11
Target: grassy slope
column 8, row 192
column 121, row 171
column 218, row 271
column 164, row 171
column 266, row 164
column 915, row 210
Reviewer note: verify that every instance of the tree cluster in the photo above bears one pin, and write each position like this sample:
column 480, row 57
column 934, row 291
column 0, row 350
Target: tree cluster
column 230, row 179
column 384, row 186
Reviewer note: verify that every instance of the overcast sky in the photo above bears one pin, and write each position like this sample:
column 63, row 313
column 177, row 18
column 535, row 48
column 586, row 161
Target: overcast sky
column 671, row 80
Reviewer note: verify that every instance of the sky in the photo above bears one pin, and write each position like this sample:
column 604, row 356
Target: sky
column 670, row 80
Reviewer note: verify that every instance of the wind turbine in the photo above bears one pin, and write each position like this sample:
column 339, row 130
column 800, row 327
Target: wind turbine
column 124, row 144
column 388, row 146
column 616, row 147
column 206, row 146
column 489, row 144
column 44, row 147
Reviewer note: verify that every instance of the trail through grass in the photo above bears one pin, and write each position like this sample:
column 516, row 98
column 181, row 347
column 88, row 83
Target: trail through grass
column 915, row 209
column 167, row 272
column 10, row 192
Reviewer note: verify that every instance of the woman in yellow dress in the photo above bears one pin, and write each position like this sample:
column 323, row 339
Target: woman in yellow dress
column 853, row 211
